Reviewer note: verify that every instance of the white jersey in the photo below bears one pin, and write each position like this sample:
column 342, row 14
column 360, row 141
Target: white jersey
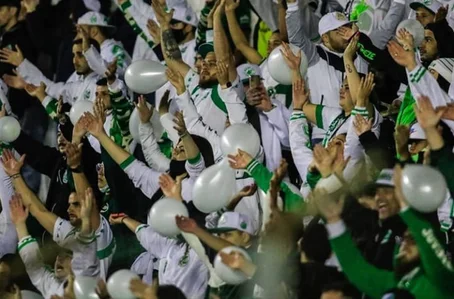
column 110, row 50
column 65, row 236
column 179, row 264
column 42, row 277
column 8, row 235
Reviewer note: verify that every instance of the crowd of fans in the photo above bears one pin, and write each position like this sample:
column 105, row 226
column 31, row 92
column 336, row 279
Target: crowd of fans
column 320, row 210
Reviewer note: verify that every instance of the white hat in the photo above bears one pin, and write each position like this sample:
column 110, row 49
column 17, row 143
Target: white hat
column 185, row 14
column 231, row 221
column 416, row 132
column 385, row 178
column 94, row 19
column 431, row 5
column 332, row 21
column 247, row 70
column 444, row 67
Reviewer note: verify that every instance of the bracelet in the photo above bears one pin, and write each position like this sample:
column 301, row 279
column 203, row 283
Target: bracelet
column 15, row 176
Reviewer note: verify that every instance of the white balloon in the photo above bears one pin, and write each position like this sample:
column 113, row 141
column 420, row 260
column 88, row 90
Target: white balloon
column 214, row 188
column 134, row 122
column 226, row 273
column 279, row 69
column 118, row 284
column 30, row 295
column 415, row 28
column 78, row 109
column 9, row 129
column 85, row 287
column 240, row 136
column 145, row 76
column 424, row 187
column 162, row 216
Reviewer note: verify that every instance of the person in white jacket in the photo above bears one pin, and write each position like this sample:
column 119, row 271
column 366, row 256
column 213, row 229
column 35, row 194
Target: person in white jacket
column 93, row 25
column 50, row 282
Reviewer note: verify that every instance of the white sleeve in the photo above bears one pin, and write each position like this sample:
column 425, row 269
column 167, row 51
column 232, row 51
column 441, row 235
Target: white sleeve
column 41, row 277
column 353, row 147
column 155, row 159
column 300, row 143
column 6, row 192
column 279, row 119
column 85, row 253
column 95, row 61
column 191, row 81
column 195, row 124
column 235, row 107
column 31, row 74
column 195, row 166
column 64, row 233
column 143, row 177
column 153, row 242
column 451, row 88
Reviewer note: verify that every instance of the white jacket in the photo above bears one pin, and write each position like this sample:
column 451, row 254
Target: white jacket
column 8, row 235
column 110, row 50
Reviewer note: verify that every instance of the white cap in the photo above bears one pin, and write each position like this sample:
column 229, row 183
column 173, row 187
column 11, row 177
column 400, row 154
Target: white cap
column 431, row 5
column 231, row 221
column 444, row 67
column 94, row 19
column 332, row 21
column 185, row 14
column 247, row 70
column 385, row 178
column 416, row 132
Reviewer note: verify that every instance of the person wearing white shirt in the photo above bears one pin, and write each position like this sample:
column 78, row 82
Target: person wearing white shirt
column 8, row 237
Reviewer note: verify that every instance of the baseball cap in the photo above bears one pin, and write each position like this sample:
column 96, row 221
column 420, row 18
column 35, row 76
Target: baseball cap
column 430, row 5
column 94, row 19
column 185, row 14
column 385, row 178
column 332, row 21
column 416, row 132
column 205, row 48
column 444, row 67
column 247, row 70
column 231, row 221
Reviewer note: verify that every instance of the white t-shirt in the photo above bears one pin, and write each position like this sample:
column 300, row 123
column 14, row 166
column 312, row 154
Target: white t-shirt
column 64, row 235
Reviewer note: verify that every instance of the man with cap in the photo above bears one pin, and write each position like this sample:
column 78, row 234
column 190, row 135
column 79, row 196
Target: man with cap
column 233, row 229
column 326, row 69
column 93, row 25
column 426, row 10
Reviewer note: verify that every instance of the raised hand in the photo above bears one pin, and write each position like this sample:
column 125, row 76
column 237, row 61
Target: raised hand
column 441, row 14
column 254, row 96
column 164, row 104
column 145, row 113
column 86, row 204
column 180, row 125
column 94, row 125
column 111, row 73
column 231, row 5
column 19, row 213
column 12, row 57
column 401, row 137
column 234, row 259
column 362, row 125
column 350, row 51
column 293, row 61
column 448, row 111
column 15, row 81
column 347, row 32
column 154, row 31
column 240, row 160
column 406, row 39
column 210, row 16
column 78, row 131
column 222, row 72
column 73, row 155
column 400, row 56
column 427, row 116
column 170, row 187
column 186, row 224
column 99, row 109
column 324, row 160
column 177, row 80
column 10, row 164
column 300, row 93
column 162, row 16
column 82, row 34
column 330, row 208
column 38, row 92
column 365, row 88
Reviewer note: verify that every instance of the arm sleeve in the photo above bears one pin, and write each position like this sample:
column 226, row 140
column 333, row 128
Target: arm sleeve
column 279, row 119
column 235, row 107
column 195, row 166
column 41, row 277
column 154, row 243
column 95, row 61
column 298, row 33
column 138, row 21
column 368, row 279
column 153, row 155
column 121, row 110
column 436, row 264
column 167, row 123
column 443, row 160
column 267, row 11
column 387, row 27
column 85, row 253
column 143, row 177
column 353, row 147
column 300, row 143
column 262, row 176
column 191, row 81
column 31, row 74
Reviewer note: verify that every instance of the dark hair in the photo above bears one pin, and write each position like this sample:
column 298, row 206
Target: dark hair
column 315, row 243
column 91, row 41
column 170, row 291
column 9, row 259
column 102, row 82
column 205, row 149
column 444, row 35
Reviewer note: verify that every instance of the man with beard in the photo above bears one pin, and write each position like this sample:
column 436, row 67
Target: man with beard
column 421, row 265
column 204, row 88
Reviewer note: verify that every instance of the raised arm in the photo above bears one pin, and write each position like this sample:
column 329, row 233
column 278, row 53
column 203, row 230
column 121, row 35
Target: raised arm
column 170, row 48
column 238, row 37
column 12, row 168
column 221, row 43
